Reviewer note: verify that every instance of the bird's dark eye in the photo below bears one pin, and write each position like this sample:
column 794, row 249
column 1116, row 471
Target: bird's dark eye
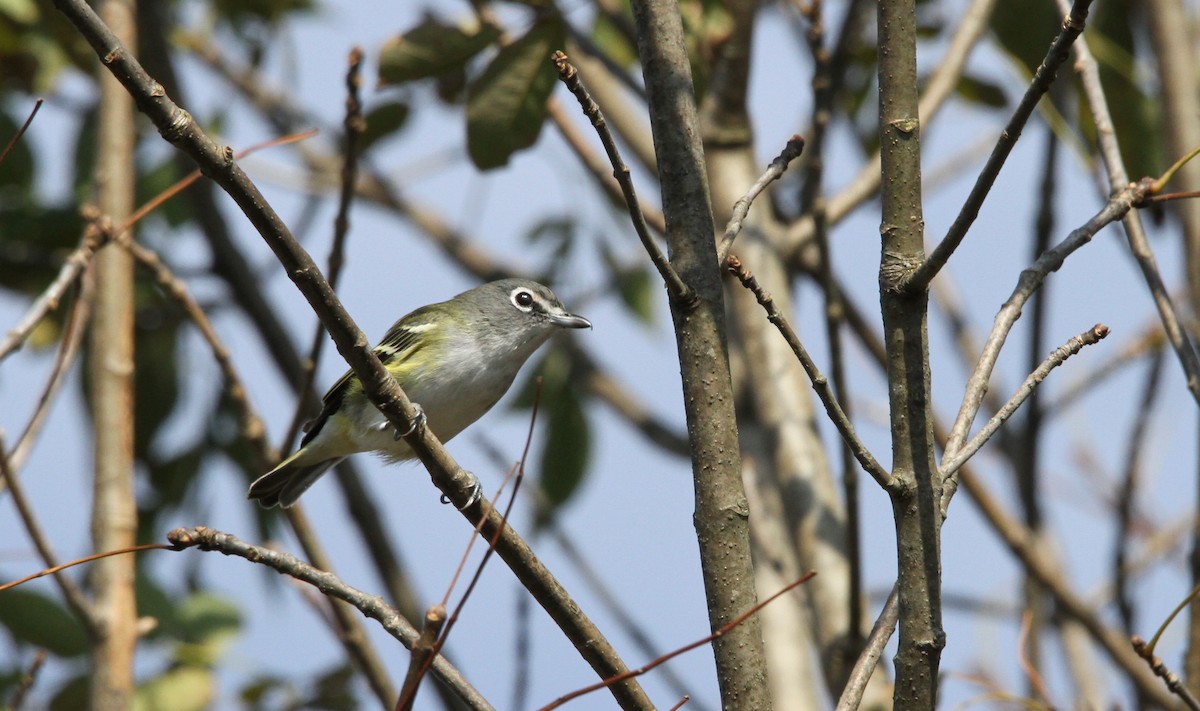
column 523, row 299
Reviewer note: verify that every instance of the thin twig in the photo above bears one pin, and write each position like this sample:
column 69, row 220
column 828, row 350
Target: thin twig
column 1030, row 671
column 37, row 106
column 422, row 655
column 1093, row 335
column 31, row 674
column 791, row 151
column 371, row 606
column 1030, row 280
column 408, row 695
column 820, row 384
column 352, row 127
column 55, row 569
column 678, row 290
column 1135, row 233
column 93, row 237
column 1174, row 683
column 868, row 659
column 177, row 127
column 724, row 629
column 1042, row 79
column 252, row 428
column 76, row 600
column 1128, row 491
column 64, row 359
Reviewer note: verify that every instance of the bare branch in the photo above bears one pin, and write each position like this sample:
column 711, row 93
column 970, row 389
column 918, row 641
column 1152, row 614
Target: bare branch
column 1093, row 335
column 177, row 127
column 1135, row 233
column 1031, row 278
column 1174, row 683
column 819, row 382
column 71, row 592
column 569, row 76
column 881, row 632
column 369, row 605
column 790, row 152
column 1042, row 79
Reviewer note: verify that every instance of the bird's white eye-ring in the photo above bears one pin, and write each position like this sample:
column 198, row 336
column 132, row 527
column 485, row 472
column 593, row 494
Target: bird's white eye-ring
column 522, row 299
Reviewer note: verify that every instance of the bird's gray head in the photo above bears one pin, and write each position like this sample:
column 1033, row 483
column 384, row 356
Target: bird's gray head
column 520, row 310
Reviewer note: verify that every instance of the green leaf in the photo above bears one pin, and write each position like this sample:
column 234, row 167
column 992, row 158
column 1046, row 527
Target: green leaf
column 34, row 619
column 382, row 121
column 1025, row 29
column 979, row 91
column 153, row 182
column 72, row 695
column 506, row 105
column 17, row 170
column 205, row 616
column 634, row 284
column 156, row 367
column 334, row 690
column 179, row 689
column 613, row 42
column 430, row 49
column 567, row 447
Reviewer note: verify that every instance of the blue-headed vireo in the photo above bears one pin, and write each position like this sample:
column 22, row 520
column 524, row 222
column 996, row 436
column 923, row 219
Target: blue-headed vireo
column 454, row 359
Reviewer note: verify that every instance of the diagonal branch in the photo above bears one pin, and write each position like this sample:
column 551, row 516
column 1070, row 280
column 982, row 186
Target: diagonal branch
column 819, row 382
column 178, row 128
column 372, row 606
column 1042, row 79
column 1135, row 233
column 570, row 77
column 1093, row 335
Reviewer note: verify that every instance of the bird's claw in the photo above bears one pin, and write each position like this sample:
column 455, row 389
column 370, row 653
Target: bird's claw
column 417, row 422
column 476, row 493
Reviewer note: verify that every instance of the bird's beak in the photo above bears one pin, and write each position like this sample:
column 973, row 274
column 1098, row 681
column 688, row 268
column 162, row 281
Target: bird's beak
column 566, row 320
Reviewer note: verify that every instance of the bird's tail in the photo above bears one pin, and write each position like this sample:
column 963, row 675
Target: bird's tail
column 283, row 485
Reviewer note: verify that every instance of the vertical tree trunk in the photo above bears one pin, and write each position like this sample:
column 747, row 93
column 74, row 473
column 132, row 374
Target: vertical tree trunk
column 722, row 512
column 1173, row 42
column 916, row 486
column 114, row 514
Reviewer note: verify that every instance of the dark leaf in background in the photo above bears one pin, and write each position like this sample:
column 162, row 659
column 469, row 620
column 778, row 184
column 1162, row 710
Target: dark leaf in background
column 431, row 49
column 16, row 172
column 1025, row 29
column 72, row 695
column 153, row 182
column 34, row 619
column 566, row 444
column 565, row 450
column 383, row 121
column 172, row 477
column 271, row 12
column 1135, row 113
column 637, row 289
column 980, row 91
column 706, row 26
column 610, row 39
column 506, row 105
column 156, row 371
column 34, row 241
column 559, row 235
column 334, row 690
